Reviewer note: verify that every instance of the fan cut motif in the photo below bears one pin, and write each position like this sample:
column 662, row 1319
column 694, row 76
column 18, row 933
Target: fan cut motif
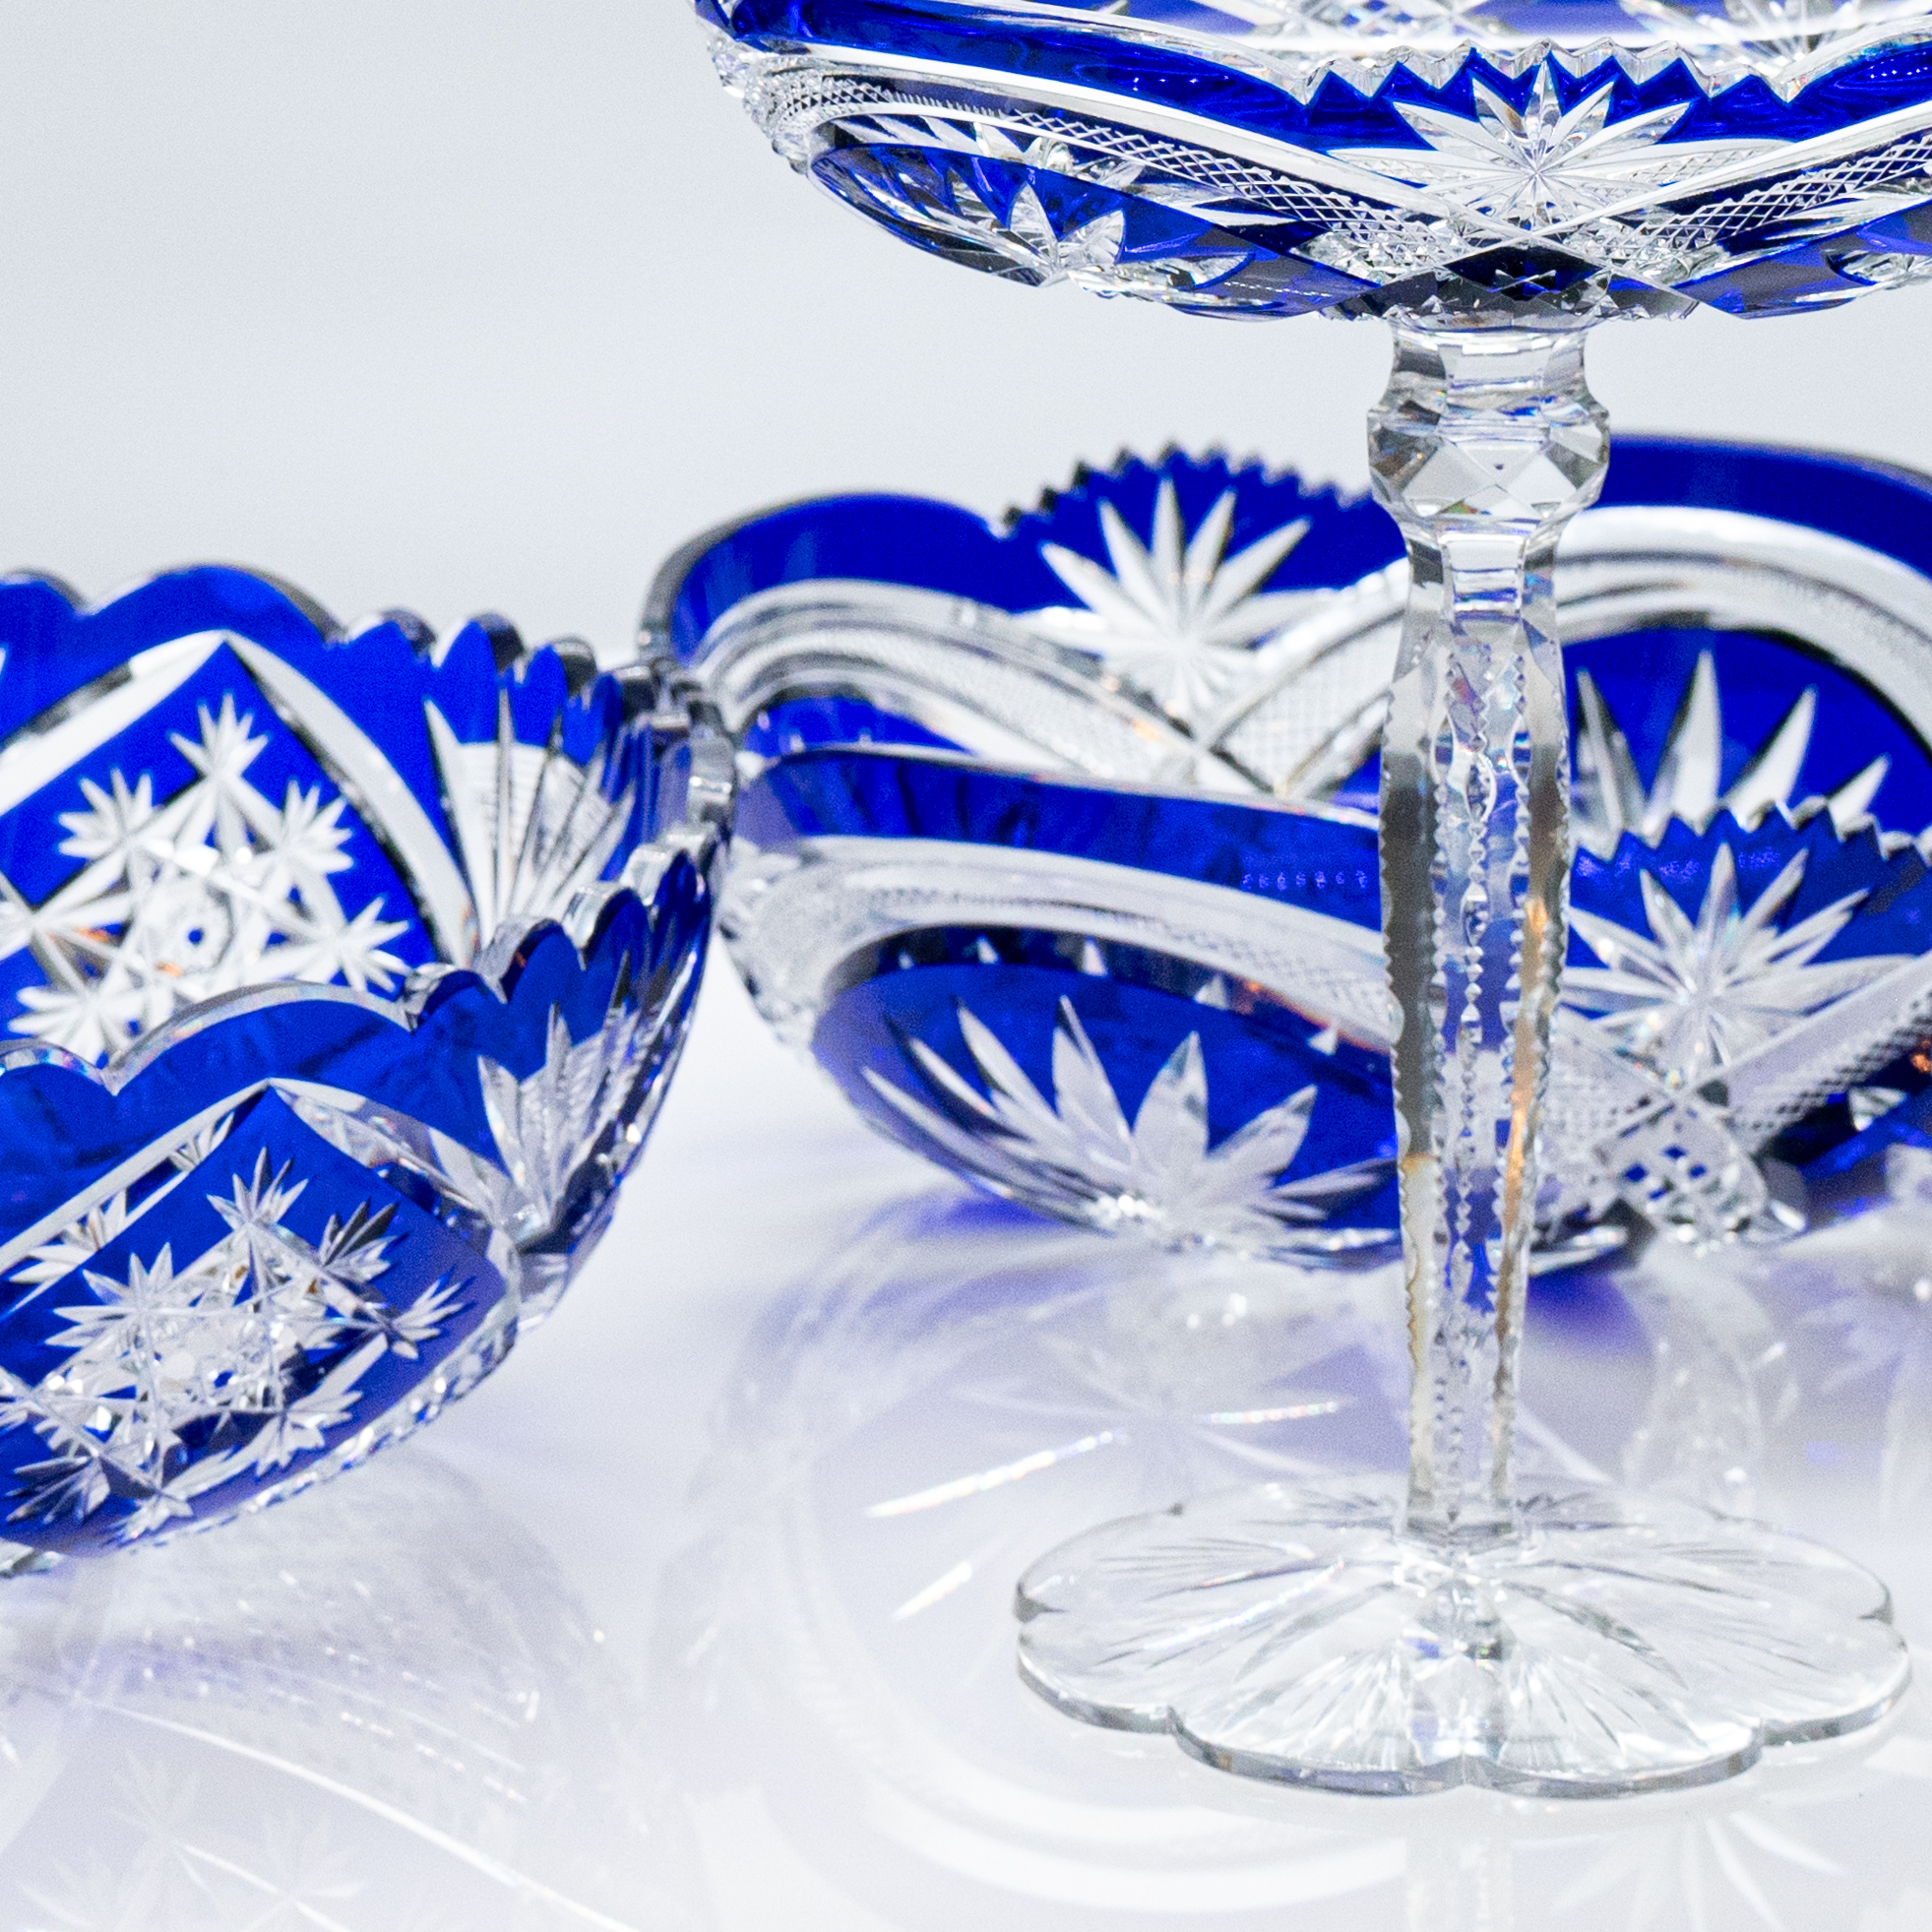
column 534, row 826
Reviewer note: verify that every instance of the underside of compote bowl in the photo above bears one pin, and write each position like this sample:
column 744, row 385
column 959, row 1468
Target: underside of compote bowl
column 1278, row 157
column 1058, row 846
column 342, row 975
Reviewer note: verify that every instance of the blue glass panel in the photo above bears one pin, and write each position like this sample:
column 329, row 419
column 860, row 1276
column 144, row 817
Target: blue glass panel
column 186, row 1363
column 1641, row 676
column 1274, row 851
column 1253, row 1061
column 1894, row 895
column 802, row 722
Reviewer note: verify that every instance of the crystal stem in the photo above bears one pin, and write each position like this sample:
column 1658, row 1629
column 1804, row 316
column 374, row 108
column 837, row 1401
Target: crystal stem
column 1484, row 446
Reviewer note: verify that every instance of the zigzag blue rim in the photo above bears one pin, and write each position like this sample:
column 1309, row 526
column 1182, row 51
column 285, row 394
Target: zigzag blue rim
column 1103, row 58
column 927, row 544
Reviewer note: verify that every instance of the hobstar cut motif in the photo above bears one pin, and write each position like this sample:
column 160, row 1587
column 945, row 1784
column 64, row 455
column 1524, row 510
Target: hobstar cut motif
column 264, row 1219
column 218, row 887
column 222, row 1348
column 1694, row 995
column 1539, row 162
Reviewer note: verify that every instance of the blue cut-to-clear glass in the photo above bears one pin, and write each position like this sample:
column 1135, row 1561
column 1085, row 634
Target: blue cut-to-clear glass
column 1287, row 155
column 342, row 975
column 1058, row 849
column 1494, row 180
column 881, row 658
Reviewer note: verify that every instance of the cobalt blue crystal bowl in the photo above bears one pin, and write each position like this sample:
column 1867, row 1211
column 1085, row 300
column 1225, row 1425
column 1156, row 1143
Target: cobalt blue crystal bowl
column 1273, row 158
column 1056, row 847
column 342, row 975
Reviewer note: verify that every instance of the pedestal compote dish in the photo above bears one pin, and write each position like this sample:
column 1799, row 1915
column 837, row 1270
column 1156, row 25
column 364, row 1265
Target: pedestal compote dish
column 1493, row 181
column 343, row 976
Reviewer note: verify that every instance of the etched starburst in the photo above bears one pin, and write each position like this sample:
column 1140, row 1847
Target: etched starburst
column 1077, row 1157
column 1542, row 164
column 1692, row 995
column 1176, row 615
column 178, row 1378
column 215, row 889
column 166, row 1856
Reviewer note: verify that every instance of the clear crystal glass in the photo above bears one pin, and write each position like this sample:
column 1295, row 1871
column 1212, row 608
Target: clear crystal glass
column 1493, row 184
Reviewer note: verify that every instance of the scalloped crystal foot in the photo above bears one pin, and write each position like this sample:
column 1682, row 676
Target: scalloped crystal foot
column 1619, row 1644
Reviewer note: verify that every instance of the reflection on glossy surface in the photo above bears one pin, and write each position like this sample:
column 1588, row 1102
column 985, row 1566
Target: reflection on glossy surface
column 379, row 1711
column 966, row 1387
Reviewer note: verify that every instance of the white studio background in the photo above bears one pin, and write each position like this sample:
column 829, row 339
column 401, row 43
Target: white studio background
column 488, row 303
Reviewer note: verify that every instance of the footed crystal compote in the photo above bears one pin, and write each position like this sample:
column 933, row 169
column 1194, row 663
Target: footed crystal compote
column 1493, row 181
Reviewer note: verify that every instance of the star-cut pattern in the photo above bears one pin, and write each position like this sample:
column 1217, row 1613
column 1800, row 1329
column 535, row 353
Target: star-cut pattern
column 1176, row 616
column 1695, row 994
column 216, row 888
column 1079, row 1158
column 1608, row 796
column 180, row 1376
column 1542, row 165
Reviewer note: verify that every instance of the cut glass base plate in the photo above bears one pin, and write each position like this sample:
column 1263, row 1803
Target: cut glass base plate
column 1620, row 1644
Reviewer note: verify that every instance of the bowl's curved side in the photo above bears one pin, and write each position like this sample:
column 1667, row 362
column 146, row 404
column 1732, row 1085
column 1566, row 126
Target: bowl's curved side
column 1004, row 973
column 288, row 1218
column 1069, row 643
